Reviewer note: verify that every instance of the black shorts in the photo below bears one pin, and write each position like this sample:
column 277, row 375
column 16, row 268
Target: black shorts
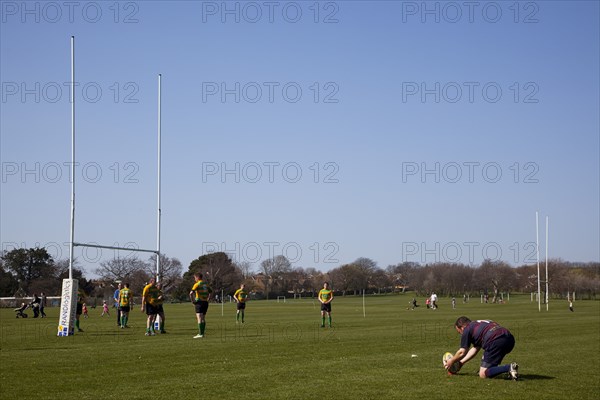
column 241, row 306
column 150, row 309
column 124, row 308
column 497, row 349
column 79, row 309
column 326, row 307
column 159, row 309
column 201, row 307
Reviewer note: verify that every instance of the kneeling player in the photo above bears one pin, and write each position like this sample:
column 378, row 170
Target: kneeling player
column 496, row 342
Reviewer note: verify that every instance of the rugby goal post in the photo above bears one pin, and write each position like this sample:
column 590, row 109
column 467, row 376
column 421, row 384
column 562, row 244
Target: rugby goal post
column 68, row 304
column 281, row 298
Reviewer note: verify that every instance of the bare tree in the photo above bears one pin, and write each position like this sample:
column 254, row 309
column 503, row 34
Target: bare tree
column 348, row 277
column 274, row 270
column 245, row 268
column 497, row 273
column 120, row 268
column 380, row 280
column 170, row 271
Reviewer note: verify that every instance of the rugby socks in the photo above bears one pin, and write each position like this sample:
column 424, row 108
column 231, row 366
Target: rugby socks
column 330, row 321
column 323, row 321
column 202, row 327
column 500, row 369
column 77, row 324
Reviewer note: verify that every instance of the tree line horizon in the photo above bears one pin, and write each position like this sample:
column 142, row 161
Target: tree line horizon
column 24, row 272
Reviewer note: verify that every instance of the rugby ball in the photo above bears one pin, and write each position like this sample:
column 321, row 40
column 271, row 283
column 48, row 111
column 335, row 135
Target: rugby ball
column 455, row 367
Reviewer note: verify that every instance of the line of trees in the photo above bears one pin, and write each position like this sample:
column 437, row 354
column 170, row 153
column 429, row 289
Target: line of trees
column 24, row 272
column 27, row 271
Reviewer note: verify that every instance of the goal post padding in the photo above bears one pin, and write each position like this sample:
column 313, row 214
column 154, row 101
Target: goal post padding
column 68, row 307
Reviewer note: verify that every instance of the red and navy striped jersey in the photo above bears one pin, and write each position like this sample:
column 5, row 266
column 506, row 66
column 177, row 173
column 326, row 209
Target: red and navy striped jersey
column 481, row 333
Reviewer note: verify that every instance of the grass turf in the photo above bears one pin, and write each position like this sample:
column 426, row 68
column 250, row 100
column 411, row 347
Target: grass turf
column 282, row 353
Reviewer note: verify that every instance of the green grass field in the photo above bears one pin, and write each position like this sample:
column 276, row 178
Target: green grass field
column 282, row 353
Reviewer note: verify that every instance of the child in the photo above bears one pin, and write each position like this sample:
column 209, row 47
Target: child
column 570, row 304
column 84, row 310
column 105, row 309
column 413, row 303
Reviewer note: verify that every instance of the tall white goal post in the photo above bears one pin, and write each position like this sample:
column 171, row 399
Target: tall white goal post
column 539, row 281
column 70, row 287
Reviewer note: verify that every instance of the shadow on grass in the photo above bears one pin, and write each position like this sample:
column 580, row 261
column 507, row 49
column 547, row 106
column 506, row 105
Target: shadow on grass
column 534, row 377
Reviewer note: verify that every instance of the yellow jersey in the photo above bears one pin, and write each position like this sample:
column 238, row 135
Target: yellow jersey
column 202, row 290
column 150, row 294
column 241, row 295
column 326, row 295
column 125, row 296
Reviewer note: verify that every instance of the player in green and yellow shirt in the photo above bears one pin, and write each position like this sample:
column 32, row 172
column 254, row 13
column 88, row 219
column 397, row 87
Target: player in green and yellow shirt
column 325, row 297
column 149, row 304
column 125, row 296
column 199, row 295
column 240, row 296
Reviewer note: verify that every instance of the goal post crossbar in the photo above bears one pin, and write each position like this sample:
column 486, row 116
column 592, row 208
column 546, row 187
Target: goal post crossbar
column 97, row 246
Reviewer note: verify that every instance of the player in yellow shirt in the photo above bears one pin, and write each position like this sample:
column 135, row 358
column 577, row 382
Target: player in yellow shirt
column 125, row 296
column 240, row 296
column 325, row 297
column 199, row 295
column 149, row 304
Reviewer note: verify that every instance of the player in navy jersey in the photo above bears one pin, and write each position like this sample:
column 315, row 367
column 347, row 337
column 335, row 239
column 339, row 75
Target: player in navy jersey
column 495, row 340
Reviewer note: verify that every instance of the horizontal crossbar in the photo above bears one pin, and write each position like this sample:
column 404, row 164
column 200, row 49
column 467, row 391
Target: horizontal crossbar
column 115, row 248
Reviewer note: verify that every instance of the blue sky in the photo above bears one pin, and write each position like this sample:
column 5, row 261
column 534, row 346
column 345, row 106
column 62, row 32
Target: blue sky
column 324, row 131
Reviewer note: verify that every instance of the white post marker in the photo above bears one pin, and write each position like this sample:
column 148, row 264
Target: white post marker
column 68, row 306
column 364, row 309
column 157, row 321
column 537, row 250
column 547, row 295
column 68, row 302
